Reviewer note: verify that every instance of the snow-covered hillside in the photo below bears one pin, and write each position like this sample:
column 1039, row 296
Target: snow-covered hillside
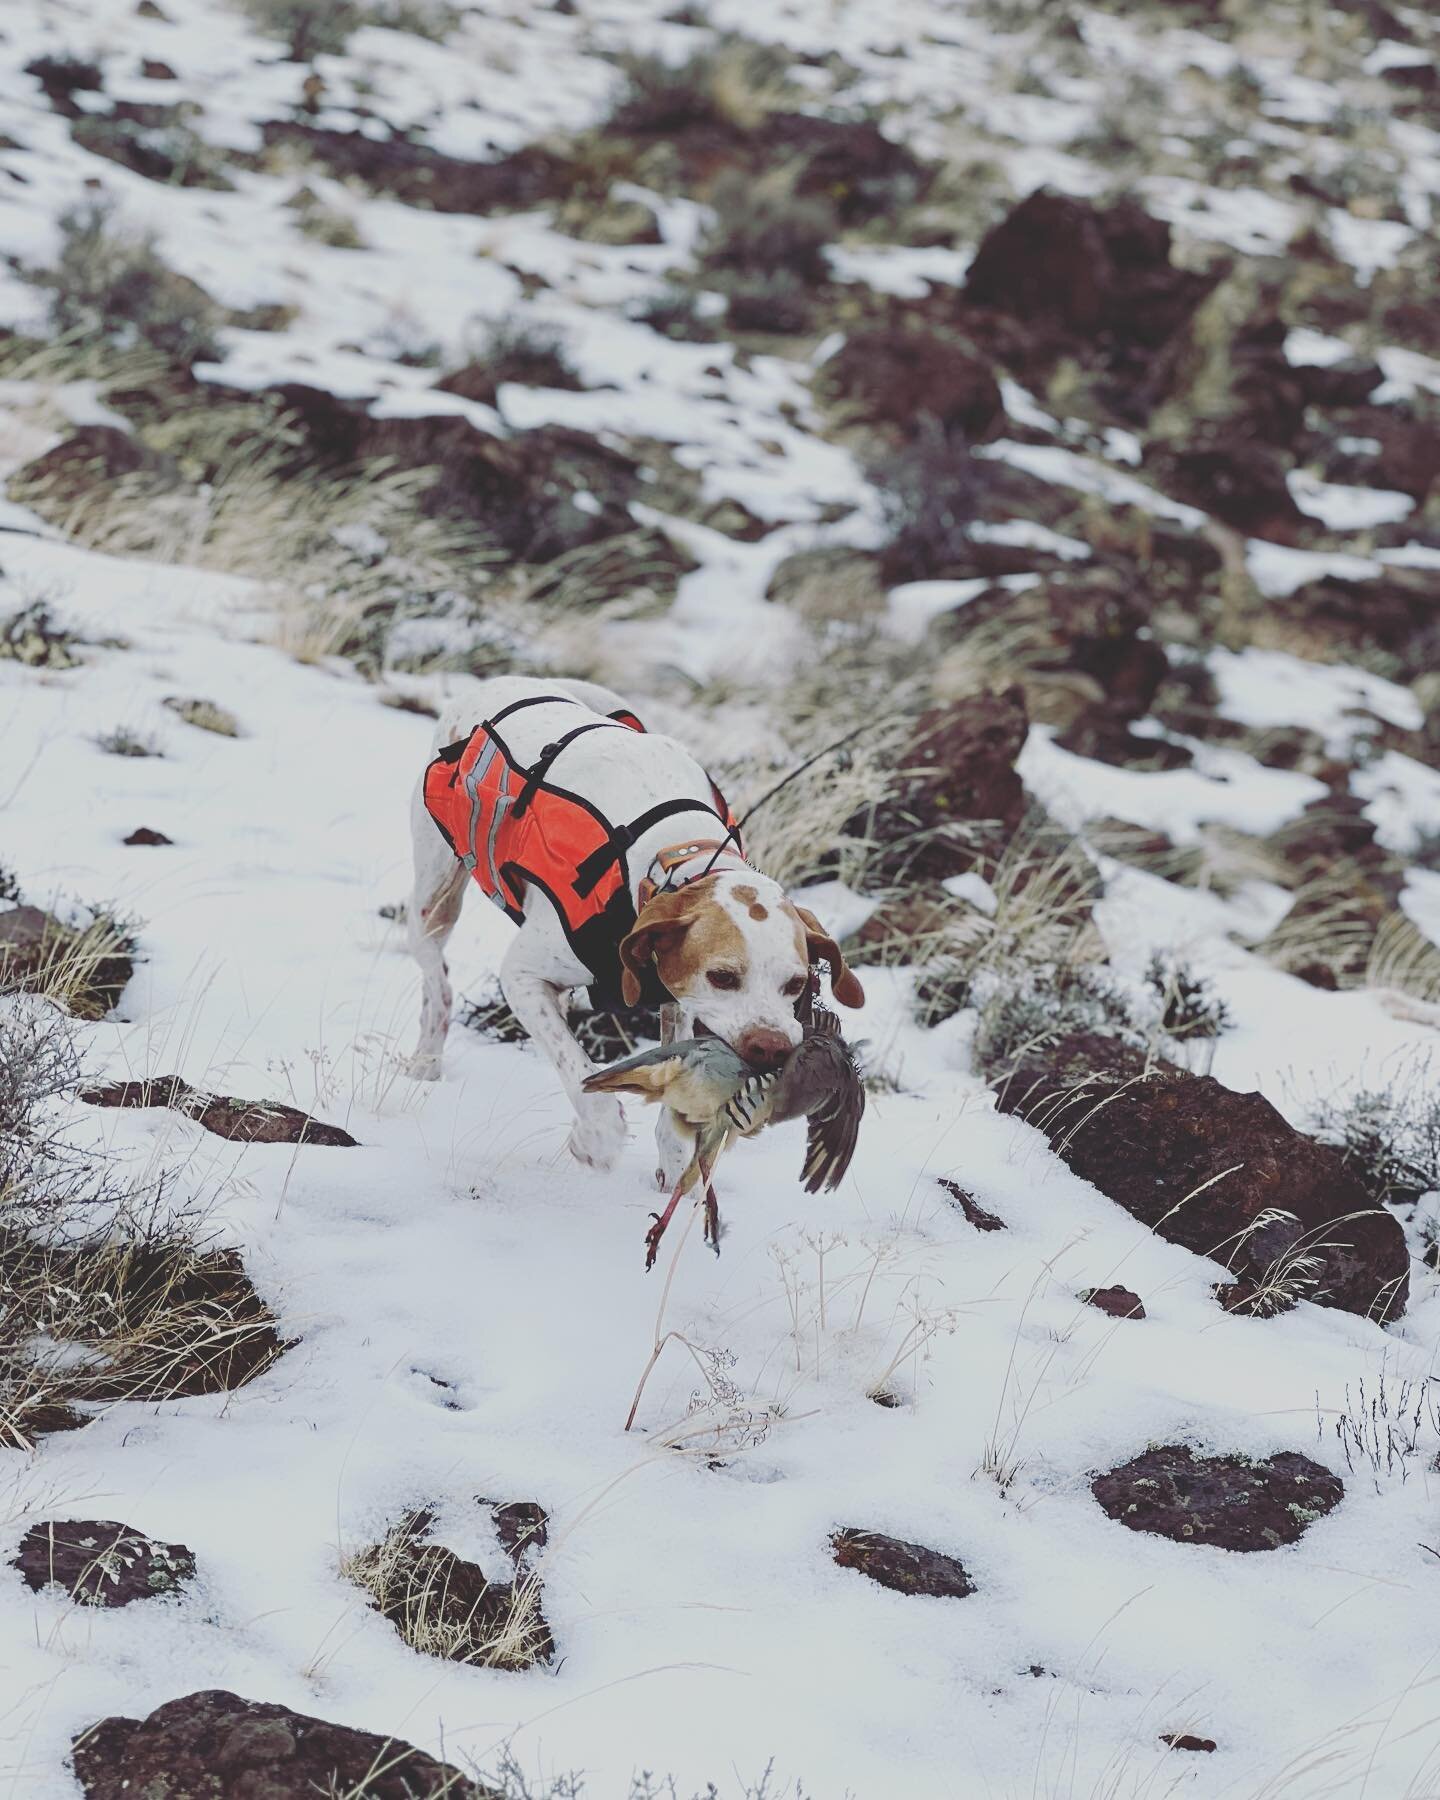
column 1050, row 390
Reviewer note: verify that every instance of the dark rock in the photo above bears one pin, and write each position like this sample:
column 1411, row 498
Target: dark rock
column 959, row 775
column 897, row 376
column 1104, row 738
column 904, row 1567
column 1394, row 613
column 100, row 1563
column 1407, row 459
column 88, row 968
column 142, row 834
column 538, row 494
column 213, row 1745
column 71, row 470
column 61, row 77
column 420, row 176
column 170, row 152
column 522, row 1524
column 1239, row 480
column 1118, row 1302
column 154, row 70
column 1075, row 273
column 1233, row 1502
column 973, row 1211
column 1186, row 1740
column 1087, row 623
column 242, row 1121
column 1347, row 383
column 1219, row 1172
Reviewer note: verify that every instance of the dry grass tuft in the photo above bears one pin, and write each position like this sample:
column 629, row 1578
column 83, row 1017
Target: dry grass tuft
column 345, row 557
column 443, row 1606
column 104, row 1294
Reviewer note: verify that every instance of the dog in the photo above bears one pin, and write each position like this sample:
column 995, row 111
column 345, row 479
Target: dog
column 615, row 855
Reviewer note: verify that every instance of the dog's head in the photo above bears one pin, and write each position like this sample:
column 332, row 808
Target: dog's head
column 735, row 953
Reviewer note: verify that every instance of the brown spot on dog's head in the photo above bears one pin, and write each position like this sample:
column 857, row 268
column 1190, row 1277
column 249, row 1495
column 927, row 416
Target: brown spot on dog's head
column 757, row 911
column 745, row 894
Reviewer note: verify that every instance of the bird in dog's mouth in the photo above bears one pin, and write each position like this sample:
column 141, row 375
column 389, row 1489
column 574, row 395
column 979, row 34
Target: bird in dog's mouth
column 718, row 1096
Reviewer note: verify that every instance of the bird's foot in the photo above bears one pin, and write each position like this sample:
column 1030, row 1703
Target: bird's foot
column 657, row 1230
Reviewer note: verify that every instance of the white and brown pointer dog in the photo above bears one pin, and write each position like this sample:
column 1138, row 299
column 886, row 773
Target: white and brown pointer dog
column 609, row 847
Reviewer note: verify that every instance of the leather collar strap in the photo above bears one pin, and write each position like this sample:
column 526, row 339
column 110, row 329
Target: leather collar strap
column 674, row 857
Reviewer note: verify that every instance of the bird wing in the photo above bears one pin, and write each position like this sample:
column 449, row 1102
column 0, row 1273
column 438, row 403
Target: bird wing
column 821, row 1083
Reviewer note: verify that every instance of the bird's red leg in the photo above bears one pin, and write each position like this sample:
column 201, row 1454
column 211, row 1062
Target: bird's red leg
column 657, row 1230
column 712, row 1211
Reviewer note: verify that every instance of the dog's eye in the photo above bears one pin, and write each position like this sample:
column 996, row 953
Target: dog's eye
column 794, row 987
column 722, row 978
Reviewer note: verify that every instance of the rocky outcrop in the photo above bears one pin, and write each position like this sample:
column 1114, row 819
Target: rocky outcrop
column 97, row 1562
column 1219, row 1172
column 242, row 1121
column 1232, row 1502
column 214, row 1745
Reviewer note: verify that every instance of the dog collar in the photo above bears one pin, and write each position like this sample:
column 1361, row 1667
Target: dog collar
column 675, row 857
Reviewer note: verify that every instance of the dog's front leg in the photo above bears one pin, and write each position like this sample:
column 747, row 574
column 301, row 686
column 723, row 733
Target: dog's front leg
column 598, row 1134
column 673, row 1150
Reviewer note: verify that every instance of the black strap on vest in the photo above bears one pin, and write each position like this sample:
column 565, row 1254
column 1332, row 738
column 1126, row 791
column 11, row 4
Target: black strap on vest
column 535, row 779
column 623, row 837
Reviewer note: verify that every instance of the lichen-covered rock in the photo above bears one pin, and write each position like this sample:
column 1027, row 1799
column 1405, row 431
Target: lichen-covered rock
column 906, row 1568
column 243, row 1121
column 98, row 1562
column 214, row 1745
column 1219, row 1172
column 1233, row 1502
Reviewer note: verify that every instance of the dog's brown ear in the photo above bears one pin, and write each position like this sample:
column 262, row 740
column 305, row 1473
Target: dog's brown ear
column 821, row 947
column 660, row 922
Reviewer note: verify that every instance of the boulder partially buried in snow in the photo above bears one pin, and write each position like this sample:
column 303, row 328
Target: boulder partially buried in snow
column 905, row 1567
column 1233, row 1502
column 97, row 1562
column 1219, row 1172
column 213, row 1745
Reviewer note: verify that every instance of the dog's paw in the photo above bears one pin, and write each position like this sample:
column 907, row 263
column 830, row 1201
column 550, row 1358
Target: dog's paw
column 598, row 1135
column 422, row 1066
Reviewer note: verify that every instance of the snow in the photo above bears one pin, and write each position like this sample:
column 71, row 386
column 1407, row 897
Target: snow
column 1341, row 508
column 1264, row 688
column 703, row 1628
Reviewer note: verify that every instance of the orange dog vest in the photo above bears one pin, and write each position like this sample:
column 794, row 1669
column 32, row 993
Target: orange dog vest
column 514, row 828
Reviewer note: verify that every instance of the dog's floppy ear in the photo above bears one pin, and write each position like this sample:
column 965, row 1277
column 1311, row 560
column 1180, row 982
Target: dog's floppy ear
column 821, row 947
column 659, row 923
